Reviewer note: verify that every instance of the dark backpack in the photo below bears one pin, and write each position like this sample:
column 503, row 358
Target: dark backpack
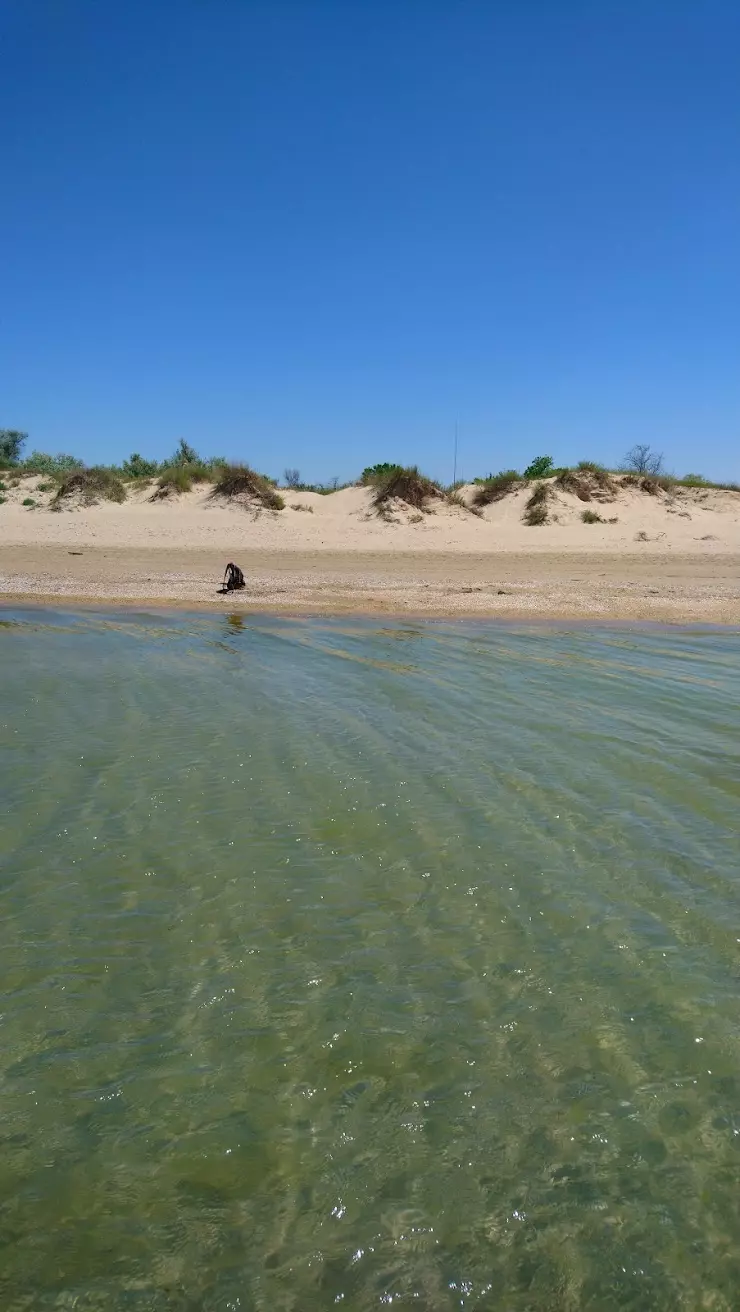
column 233, row 578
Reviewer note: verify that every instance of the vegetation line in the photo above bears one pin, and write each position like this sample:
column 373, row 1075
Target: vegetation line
column 75, row 483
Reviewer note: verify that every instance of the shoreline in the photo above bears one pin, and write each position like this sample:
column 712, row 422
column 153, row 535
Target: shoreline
column 84, row 605
column 565, row 586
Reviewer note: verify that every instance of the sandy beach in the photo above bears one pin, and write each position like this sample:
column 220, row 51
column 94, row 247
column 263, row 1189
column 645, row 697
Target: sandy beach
column 672, row 557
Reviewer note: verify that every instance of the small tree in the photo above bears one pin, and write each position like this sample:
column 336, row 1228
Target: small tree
column 40, row 462
column 541, row 467
column 185, row 454
column 11, row 443
column 641, row 460
column 292, row 478
column 137, row 467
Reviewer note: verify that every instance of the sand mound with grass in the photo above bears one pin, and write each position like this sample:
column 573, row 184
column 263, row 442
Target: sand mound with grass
column 86, row 487
column 405, row 487
column 242, row 485
column 625, row 517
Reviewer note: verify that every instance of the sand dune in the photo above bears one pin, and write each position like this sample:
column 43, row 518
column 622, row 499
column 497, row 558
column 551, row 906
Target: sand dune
column 673, row 556
column 688, row 520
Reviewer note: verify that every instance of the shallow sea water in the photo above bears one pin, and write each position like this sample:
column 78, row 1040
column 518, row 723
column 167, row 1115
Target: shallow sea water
column 358, row 964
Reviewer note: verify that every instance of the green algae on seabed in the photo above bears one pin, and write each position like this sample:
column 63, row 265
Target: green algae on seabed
column 349, row 964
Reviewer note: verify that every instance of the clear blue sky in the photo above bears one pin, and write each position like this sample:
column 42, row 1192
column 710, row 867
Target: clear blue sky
column 317, row 233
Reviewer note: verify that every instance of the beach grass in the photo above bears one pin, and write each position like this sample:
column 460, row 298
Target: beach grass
column 176, row 479
column 88, row 486
column 406, row 484
column 536, row 511
column 495, row 487
column 241, row 481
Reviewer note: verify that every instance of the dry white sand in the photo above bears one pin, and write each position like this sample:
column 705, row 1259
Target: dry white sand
column 671, row 556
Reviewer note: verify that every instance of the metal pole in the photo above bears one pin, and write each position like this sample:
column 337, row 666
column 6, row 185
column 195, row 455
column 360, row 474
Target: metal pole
column 454, row 463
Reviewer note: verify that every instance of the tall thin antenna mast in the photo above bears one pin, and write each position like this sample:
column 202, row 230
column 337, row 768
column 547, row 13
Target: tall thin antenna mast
column 454, row 463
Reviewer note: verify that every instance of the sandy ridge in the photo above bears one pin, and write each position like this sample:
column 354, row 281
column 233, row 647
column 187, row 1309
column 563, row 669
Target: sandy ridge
column 671, row 557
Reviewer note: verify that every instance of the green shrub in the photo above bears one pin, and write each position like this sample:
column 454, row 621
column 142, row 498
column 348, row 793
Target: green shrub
column 697, row 480
column 242, row 481
column 3, row 487
column 90, row 485
column 693, row 480
column 495, row 487
column 28, row 501
column 137, row 467
column 184, row 454
column 2, row 500
column 591, row 517
column 175, row 479
column 45, row 487
column 40, row 462
column 375, row 474
column 407, row 485
column 541, row 467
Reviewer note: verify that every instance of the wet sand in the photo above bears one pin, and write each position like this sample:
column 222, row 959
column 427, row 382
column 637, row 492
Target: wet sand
column 573, row 585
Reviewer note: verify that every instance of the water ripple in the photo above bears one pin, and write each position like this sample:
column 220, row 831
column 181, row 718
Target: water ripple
column 357, row 963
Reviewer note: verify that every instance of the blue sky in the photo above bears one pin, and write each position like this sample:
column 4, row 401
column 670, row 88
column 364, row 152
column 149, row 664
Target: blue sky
column 318, row 233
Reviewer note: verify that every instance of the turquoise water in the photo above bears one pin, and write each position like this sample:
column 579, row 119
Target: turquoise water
column 356, row 965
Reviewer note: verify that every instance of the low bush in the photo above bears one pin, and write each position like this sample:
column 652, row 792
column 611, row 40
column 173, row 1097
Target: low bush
column 137, row 467
column 495, row 487
column 536, row 511
column 176, row 479
column 172, row 481
column 375, row 474
column 40, row 462
column 586, row 482
column 541, row 467
column 322, row 489
column 241, row 481
column 591, row 517
column 89, row 485
column 407, row 485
